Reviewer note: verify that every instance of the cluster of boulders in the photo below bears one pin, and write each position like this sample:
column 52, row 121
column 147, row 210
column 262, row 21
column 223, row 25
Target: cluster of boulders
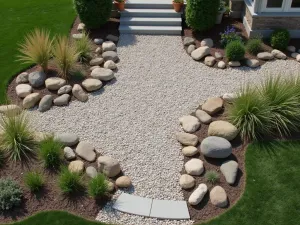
column 102, row 68
column 77, row 152
column 204, row 52
column 217, row 145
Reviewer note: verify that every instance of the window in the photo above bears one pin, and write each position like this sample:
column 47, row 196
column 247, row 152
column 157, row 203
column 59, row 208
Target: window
column 295, row 4
column 280, row 6
column 274, row 3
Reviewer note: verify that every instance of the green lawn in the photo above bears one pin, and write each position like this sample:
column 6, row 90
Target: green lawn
column 17, row 18
column 272, row 195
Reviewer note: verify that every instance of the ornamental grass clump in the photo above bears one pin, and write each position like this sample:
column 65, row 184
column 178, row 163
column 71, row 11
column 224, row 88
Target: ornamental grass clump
column 51, row 152
column 98, row 186
column 65, row 56
column 254, row 46
column 70, row 182
column 17, row 139
column 10, row 194
column 212, row 177
column 84, row 48
column 34, row 181
column 36, row 48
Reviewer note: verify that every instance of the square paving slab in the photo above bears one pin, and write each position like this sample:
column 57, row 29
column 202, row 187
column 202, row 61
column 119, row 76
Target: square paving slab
column 133, row 205
column 164, row 209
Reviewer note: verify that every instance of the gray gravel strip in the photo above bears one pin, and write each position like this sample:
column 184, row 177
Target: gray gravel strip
column 134, row 118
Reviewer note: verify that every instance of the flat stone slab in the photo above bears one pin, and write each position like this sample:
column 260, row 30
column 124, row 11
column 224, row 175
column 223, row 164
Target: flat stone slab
column 174, row 210
column 133, row 205
column 162, row 209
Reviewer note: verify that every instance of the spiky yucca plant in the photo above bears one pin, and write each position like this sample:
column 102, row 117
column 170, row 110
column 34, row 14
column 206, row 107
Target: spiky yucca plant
column 17, row 139
column 36, row 48
column 84, row 48
column 65, row 56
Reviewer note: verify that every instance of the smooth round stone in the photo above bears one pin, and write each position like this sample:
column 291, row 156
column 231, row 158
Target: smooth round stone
column 223, row 129
column 98, row 41
column 91, row 171
column 278, row 54
column 110, row 65
column 110, row 55
column 252, row 63
column 190, row 49
column 229, row 169
column 91, row 84
column 31, row 100
column 69, row 153
column 54, row 83
column 96, row 61
column 294, row 55
column 194, row 167
column 291, row 48
column 203, row 116
column 62, row 100
column 110, row 186
column 37, row 79
column 86, row 151
column 216, row 147
column 64, row 90
column 46, row 103
column 218, row 55
column 210, row 61
column 200, row 53
column 109, row 166
column 198, row 194
column 207, row 42
column 190, row 124
column 230, row 97
column 221, row 65
column 102, row 74
column 22, row 78
column 218, row 197
column 234, row 64
column 94, row 67
column 79, row 93
column 108, row 46
column 67, row 139
column 265, row 56
column 111, row 37
column 186, row 181
column 98, row 50
column 187, row 139
column 213, row 105
column 77, row 36
column 23, row 90
column 188, row 41
column 189, row 151
column 81, row 27
column 298, row 58
column 76, row 166
column 123, row 182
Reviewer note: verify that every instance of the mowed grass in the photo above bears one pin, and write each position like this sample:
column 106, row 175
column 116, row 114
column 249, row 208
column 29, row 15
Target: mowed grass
column 56, row 218
column 272, row 193
column 19, row 17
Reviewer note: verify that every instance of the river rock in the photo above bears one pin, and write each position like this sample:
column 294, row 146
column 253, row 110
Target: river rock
column 213, row 105
column 69, row 153
column 110, row 65
column 294, row 55
column 200, row 53
column 218, row 55
column 103, row 74
column 46, row 103
column 64, row 90
column 190, row 49
column 253, row 63
column 91, row 171
column 79, row 93
column 23, row 90
column 218, row 197
column 190, row 124
column 123, row 182
column 221, row 65
column 194, row 167
column 62, row 100
column 110, row 186
column 298, row 58
column 291, row 48
column 186, row 181
column 265, row 56
column 54, row 83
column 31, row 100
column 22, row 78
column 234, row 64
column 98, row 41
column 229, row 169
column 187, row 139
column 67, row 139
column 209, row 61
column 76, row 166
column 198, row 194
column 81, row 27
column 77, row 36
column 109, row 166
column 110, row 55
column 86, row 151
column 223, row 129
column 91, row 84
column 203, row 116
column 207, row 42
column 278, row 54
column 96, row 62
column 37, row 79
column 216, row 147
column 187, row 41
column 108, row 46
column 111, row 37
column 189, row 151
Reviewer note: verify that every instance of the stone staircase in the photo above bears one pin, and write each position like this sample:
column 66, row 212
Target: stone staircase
column 154, row 17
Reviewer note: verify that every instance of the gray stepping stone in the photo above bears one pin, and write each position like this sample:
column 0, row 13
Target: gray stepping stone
column 133, row 205
column 165, row 209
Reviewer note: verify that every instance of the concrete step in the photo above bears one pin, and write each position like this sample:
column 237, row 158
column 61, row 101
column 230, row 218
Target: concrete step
column 153, row 30
column 153, row 4
column 150, row 21
column 150, row 13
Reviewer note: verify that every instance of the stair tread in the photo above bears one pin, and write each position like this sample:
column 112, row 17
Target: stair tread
column 150, row 27
column 163, row 19
column 162, row 2
column 149, row 11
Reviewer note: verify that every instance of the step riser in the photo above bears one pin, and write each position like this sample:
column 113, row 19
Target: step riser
column 151, row 23
column 149, row 6
column 143, row 14
column 151, row 32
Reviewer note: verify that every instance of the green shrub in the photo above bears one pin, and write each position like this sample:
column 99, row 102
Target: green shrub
column 235, row 51
column 51, row 152
column 251, row 114
column 84, row 48
column 212, row 177
column 254, row 46
column 280, row 39
column 69, row 182
column 98, row 186
column 10, row 194
column 17, row 139
column 34, row 181
column 2, row 157
column 93, row 13
column 201, row 14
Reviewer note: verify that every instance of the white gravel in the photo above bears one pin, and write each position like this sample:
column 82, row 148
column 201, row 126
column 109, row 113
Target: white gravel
column 134, row 118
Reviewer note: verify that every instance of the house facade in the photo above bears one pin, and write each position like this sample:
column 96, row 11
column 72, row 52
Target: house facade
column 261, row 17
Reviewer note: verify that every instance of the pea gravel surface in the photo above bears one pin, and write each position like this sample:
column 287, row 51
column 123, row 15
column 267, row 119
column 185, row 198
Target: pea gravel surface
column 135, row 117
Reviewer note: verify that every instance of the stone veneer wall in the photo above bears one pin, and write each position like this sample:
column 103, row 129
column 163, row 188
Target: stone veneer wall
column 236, row 8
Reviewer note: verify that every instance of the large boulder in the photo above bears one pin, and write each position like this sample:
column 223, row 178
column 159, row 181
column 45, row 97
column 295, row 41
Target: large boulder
column 79, row 93
column 265, row 56
column 186, row 181
column 110, row 55
column 223, row 129
column 200, row 53
column 123, row 182
column 194, row 167
column 198, row 194
column 86, row 151
column 189, row 124
column 108, row 46
column 23, row 90
column 10, row 109
column 218, row 197
column 213, row 105
column 62, row 100
column 54, row 83
column 229, row 169
column 207, row 42
column 22, row 78
column 37, row 79
column 216, row 147
column 31, row 100
column 187, row 139
column 76, row 166
column 102, row 74
column 109, row 166
column 189, row 151
column 67, row 139
column 92, row 84
column 46, row 103
column 278, row 54
column 203, row 116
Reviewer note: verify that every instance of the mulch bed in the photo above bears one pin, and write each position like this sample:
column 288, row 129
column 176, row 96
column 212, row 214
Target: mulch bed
column 206, row 210
column 214, row 34
column 111, row 27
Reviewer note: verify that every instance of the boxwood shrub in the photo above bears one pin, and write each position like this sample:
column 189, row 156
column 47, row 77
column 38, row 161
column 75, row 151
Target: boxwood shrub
column 93, row 13
column 201, row 14
column 235, row 51
column 280, row 39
